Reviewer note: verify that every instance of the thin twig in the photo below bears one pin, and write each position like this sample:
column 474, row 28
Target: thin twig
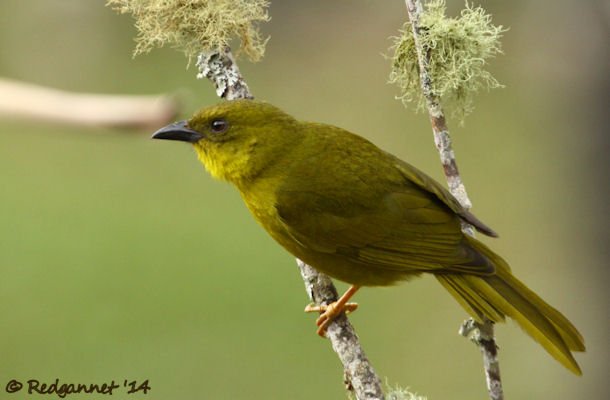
column 221, row 68
column 481, row 334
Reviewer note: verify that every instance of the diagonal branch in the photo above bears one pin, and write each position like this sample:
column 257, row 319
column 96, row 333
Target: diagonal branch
column 220, row 68
column 481, row 334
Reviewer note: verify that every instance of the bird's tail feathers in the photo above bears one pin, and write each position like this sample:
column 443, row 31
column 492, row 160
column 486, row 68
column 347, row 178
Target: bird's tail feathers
column 495, row 296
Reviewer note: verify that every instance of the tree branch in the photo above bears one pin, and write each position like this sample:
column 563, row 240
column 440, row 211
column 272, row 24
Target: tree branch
column 481, row 334
column 25, row 100
column 220, row 68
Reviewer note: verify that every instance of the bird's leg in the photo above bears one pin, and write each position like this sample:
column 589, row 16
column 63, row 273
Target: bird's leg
column 331, row 311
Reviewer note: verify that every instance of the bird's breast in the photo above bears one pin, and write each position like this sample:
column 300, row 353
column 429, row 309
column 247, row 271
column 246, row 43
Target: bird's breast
column 261, row 200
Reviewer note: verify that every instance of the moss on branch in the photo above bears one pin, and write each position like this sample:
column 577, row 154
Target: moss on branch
column 194, row 26
column 457, row 51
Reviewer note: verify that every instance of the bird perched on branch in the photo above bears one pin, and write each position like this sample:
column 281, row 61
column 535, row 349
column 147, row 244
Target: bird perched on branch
column 361, row 215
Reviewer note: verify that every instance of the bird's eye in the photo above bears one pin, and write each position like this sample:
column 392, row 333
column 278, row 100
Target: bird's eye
column 219, row 125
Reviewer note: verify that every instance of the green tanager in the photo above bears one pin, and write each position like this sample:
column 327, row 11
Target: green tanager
column 361, row 215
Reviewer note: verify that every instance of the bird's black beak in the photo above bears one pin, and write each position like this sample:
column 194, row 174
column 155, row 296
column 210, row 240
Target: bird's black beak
column 178, row 131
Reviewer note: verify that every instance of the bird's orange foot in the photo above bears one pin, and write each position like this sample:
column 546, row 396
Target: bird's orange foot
column 329, row 313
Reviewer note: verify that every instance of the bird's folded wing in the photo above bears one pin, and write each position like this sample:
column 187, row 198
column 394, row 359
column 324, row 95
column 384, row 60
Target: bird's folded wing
column 428, row 184
column 404, row 228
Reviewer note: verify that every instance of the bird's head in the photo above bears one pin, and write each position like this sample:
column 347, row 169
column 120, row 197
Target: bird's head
column 236, row 140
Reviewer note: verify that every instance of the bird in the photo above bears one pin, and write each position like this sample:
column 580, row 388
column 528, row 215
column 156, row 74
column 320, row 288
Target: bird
column 363, row 216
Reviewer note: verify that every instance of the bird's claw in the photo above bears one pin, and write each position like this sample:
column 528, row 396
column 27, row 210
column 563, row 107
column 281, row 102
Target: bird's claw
column 329, row 313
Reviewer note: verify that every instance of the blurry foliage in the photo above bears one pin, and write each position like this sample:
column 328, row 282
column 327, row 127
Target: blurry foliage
column 458, row 52
column 196, row 25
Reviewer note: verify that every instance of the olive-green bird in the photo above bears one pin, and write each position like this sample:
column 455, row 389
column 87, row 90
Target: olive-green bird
column 357, row 213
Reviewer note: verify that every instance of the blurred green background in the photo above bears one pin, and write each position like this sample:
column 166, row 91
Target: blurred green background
column 120, row 258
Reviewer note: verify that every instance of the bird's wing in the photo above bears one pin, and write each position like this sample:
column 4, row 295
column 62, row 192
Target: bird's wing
column 390, row 222
column 428, row 184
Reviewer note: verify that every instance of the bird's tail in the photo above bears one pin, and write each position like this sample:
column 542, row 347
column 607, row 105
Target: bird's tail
column 495, row 296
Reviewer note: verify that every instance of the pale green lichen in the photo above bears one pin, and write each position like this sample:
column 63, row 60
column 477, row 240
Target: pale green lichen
column 394, row 393
column 399, row 393
column 194, row 26
column 458, row 50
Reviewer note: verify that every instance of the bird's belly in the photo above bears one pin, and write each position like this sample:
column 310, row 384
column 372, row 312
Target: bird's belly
column 350, row 271
column 335, row 265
